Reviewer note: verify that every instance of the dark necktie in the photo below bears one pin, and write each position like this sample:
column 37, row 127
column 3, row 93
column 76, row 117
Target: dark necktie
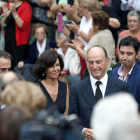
column 98, row 94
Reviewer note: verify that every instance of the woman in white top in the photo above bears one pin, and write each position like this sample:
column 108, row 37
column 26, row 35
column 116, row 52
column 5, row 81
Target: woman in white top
column 85, row 29
column 67, row 54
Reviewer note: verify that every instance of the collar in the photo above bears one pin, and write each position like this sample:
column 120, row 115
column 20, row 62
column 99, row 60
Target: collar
column 103, row 80
column 41, row 49
column 120, row 71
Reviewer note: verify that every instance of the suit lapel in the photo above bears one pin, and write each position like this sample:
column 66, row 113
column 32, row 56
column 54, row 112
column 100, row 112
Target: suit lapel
column 111, row 86
column 116, row 73
column 87, row 92
column 132, row 76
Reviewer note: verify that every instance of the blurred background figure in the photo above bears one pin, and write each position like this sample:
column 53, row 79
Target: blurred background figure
column 7, row 78
column 112, row 110
column 133, row 21
column 130, row 5
column 62, row 6
column 41, row 44
column 5, row 61
column 67, row 54
column 85, row 30
column 24, row 94
column 17, row 17
column 47, row 70
column 11, row 120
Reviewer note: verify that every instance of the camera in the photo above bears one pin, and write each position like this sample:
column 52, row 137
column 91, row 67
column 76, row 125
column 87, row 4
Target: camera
column 51, row 126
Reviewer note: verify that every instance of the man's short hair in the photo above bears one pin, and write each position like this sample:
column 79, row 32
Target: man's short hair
column 5, row 55
column 130, row 41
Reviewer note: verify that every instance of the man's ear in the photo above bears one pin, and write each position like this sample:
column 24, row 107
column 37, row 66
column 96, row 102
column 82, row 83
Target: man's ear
column 107, row 61
column 138, row 53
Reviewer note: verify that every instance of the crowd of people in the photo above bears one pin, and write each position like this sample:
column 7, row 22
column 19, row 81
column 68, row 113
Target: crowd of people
column 39, row 89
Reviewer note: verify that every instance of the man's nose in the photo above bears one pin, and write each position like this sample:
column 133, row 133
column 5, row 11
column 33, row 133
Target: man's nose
column 94, row 66
column 125, row 56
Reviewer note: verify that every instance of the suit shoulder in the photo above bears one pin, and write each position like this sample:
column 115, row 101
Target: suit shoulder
column 80, row 83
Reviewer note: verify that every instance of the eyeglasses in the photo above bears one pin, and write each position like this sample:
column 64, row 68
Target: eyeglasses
column 134, row 21
column 38, row 33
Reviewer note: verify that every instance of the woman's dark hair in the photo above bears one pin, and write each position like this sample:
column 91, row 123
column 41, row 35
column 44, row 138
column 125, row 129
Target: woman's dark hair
column 101, row 19
column 46, row 60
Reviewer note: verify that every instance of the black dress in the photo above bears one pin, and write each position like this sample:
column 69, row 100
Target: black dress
column 60, row 102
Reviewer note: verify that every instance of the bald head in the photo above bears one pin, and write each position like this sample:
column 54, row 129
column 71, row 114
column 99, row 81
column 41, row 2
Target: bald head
column 97, row 62
column 9, row 77
column 99, row 48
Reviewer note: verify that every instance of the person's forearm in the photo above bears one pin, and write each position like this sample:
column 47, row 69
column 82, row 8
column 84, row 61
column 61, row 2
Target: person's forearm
column 85, row 36
column 2, row 21
column 76, row 18
column 66, row 32
column 18, row 20
column 69, row 17
column 54, row 8
column 113, row 22
column 81, row 52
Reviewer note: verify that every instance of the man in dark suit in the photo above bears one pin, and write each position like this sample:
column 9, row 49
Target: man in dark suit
column 129, row 71
column 85, row 94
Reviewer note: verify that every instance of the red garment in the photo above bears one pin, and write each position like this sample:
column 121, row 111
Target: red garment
column 83, row 66
column 23, row 33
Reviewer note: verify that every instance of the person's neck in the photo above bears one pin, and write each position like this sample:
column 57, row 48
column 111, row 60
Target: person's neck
column 88, row 16
column 50, row 81
column 134, row 32
column 41, row 42
column 64, row 49
column 17, row 3
column 127, row 69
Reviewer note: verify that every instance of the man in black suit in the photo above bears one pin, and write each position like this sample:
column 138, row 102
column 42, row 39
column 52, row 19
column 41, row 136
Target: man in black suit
column 85, row 94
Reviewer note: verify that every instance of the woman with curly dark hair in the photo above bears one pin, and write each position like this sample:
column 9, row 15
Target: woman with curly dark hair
column 47, row 70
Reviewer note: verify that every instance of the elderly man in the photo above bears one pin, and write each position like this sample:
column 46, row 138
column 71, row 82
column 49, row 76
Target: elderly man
column 85, row 94
column 5, row 61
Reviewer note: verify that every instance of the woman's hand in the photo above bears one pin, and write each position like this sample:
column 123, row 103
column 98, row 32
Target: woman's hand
column 20, row 64
column 76, row 43
column 12, row 7
column 73, row 26
column 5, row 10
column 71, row 10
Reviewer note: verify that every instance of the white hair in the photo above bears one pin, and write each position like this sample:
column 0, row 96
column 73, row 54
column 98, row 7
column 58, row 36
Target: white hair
column 64, row 37
column 109, row 111
column 126, row 130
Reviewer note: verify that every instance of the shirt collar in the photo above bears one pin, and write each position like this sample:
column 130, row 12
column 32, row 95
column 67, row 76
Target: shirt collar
column 103, row 80
column 120, row 71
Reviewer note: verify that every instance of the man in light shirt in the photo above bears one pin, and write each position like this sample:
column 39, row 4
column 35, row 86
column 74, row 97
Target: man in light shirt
column 129, row 71
column 85, row 94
